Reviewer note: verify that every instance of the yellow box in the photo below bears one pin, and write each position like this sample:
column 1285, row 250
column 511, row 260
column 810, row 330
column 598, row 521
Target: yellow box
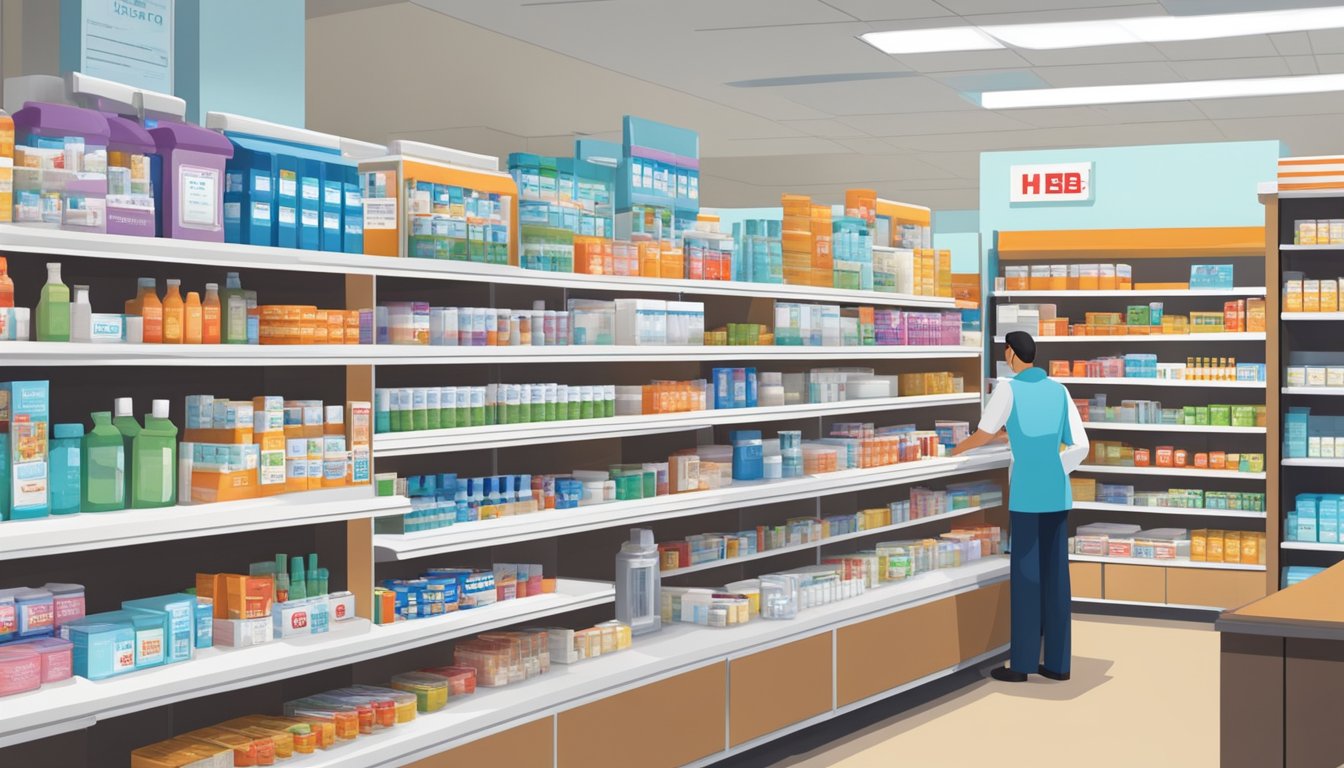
column 1292, row 296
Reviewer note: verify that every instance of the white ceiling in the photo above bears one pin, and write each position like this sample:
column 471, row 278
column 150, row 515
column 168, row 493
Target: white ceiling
column 785, row 96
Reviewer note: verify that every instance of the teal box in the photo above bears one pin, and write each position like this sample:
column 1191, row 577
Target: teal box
column 352, row 238
column 287, row 201
column 310, row 202
column 203, row 630
column 333, row 204
column 24, row 491
column 149, row 634
column 1327, row 520
column 179, row 612
column 101, row 649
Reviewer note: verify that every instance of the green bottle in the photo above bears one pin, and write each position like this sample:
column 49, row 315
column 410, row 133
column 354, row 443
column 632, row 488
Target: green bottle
column 53, row 308
column 124, row 420
column 102, row 464
column 154, row 461
column 233, row 311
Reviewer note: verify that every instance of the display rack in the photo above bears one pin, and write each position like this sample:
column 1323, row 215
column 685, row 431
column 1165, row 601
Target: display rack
column 966, row 607
column 1157, row 255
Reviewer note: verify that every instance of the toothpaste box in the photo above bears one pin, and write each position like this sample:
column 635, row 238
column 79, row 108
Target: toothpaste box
column 24, row 432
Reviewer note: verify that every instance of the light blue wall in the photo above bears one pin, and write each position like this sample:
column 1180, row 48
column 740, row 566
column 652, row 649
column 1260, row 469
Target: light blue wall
column 241, row 56
column 1175, row 185
column 956, row 221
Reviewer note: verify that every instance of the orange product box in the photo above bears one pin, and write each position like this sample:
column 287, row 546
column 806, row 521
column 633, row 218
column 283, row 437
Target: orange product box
column 321, row 327
column 1165, row 456
column 1106, row 277
column 1201, row 460
column 1080, row 369
column 236, row 596
column 209, row 487
column 1232, row 546
column 1161, row 286
column 247, row 750
column 1142, row 457
column 1232, row 314
column 1213, row 548
column 1181, row 458
column 1311, row 295
column 1255, row 315
column 1252, row 547
column 1330, row 295
column 1059, row 368
column 1199, row 545
column 1039, row 276
column 282, row 739
column 179, row 752
column 1217, row 460
column 352, row 326
column 1292, row 296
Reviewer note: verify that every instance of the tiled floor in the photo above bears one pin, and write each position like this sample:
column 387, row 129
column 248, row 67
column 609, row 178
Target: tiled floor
column 1144, row 692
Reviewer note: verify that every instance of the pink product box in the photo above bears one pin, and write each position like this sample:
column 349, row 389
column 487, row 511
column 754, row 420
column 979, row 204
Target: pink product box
column 57, row 657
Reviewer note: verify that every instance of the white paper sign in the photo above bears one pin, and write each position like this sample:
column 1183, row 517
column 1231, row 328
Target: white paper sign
column 129, row 41
column 1057, row 182
column 380, row 213
column 199, row 198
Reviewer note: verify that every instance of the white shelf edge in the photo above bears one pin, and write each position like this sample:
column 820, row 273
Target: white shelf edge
column 1317, row 391
column 1165, row 563
column 1187, row 337
column 1335, row 463
column 78, row 702
column 1173, row 292
column 1222, row 474
column 486, row 533
column 1312, row 546
column 40, row 353
column 1323, row 316
column 1105, row 426
column 1145, row 604
column 504, row 435
column 1099, row 506
column 712, row 564
column 1136, row 382
column 59, row 534
column 671, row 651
column 17, row 239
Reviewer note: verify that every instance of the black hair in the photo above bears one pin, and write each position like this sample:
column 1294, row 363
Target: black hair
column 1022, row 345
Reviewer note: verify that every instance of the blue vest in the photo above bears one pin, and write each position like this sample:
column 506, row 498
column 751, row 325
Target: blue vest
column 1037, row 427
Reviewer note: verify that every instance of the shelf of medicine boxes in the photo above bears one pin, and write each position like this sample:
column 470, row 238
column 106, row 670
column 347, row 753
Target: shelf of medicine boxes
column 508, row 435
column 18, row 239
column 1219, row 474
column 61, row 534
column 1319, row 391
column 1155, row 382
column 1144, row 338
column 1157, row 243
column 1114, row 426
column 1165, row 563
column 507, row 530
column 711, row 564
column 1132, row 294
column 44, row 353
column 79, row 703
column 671, row 651
column 1312, row 546
column 1099, row 506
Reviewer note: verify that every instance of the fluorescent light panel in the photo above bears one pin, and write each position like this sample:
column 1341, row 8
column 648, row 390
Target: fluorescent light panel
column 1146, row 92
column 1089, row 34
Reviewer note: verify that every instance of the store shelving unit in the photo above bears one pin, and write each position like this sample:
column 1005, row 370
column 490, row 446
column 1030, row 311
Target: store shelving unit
column 578, row 545
column 1299, row 333
column 1135, row 561
column 1158, row 255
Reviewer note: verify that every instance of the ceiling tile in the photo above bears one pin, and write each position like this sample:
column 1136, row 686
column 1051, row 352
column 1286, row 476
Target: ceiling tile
column 315, row 8
column 962, row 60
column 1329, row 62
column 971, row 121
column 1327, row 41
column 1303, row 65
column 811, row 169
column 1106, row 54
column 1083, row 136
column 711, row 146
column 1221, row 48
column 968, row 7
column 881, row 10
column 870, row 145
column 915, row 94
column 964, row 165
column 825, row 128
column 1291, row 43
column 1108, row 74
column 1277, row 106
column 1219, row 69
column 1108, row 114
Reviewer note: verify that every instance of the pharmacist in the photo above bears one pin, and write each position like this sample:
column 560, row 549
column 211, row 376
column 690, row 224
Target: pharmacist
column 1047, row 440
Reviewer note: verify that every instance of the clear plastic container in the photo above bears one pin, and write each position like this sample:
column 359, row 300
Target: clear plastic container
column 637, row 583
column 431, row 691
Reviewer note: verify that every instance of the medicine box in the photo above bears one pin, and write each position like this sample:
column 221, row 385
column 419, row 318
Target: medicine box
column 23, row 449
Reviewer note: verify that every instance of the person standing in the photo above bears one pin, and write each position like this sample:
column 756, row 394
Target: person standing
column 1046, row 436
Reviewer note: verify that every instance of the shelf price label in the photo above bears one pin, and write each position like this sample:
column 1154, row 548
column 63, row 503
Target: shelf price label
column 1052, row 183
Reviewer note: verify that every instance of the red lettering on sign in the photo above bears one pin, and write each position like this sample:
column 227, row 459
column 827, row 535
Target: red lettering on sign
column 1031, row 184
column 299, row 621
column 1070, row 183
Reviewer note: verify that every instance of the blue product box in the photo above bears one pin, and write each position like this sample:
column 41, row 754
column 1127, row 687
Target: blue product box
column 203, row 630
column 1295, row 425
column 1327, row 520
column 24, row 470
column 751, row 388
column 333, row 205
column 352, row 240
column 101, row 649
column 287, row 201
column 1211, row 276
column 310, row 202
column 179, row 614
column 249, row 193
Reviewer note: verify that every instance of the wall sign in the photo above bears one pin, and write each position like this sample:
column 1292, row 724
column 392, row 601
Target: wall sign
column 1057, row 182
column 129, row 41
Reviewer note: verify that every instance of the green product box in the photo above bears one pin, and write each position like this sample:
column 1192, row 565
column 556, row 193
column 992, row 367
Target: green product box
column 447, row 417
column 1220, row 415
column 479, row 416
column 395, row 420
column 537, row 411
column 1243, row 416
column 650, row 484
column 586, row 409
column 1202, row 415
column 575, row 407
column 608, row 408
column 432, row 418
column 1138, row 315
column 549, row 410
column 421, row 418
column 1188, row 414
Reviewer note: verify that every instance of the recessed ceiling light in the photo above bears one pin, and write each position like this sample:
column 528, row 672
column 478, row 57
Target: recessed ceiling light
column 1088, row 34
column 931, row 40
column 1182, row 91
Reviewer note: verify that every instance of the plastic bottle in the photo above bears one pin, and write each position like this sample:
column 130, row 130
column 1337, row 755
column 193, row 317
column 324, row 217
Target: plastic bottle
column 210, row 320
column 637, row 583
column 193, row 323
column 173, row 311
column 253, row 317
column 147, row 306
column 53, row 308
column 102, row 467
column 154, row 461
column 6, row 284
column 81, row 315
column 123, row 418
column 233, row 304
column 64, row 477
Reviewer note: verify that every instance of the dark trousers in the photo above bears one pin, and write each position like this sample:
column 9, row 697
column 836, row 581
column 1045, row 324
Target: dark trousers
column 1039, row 569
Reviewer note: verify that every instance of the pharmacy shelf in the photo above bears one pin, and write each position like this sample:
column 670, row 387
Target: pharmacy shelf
column 1111, row 426
column 1226, row 474
column 79, row 703
column 508, row 435
column 1099, row 506
column 1321, row 391
column 1173, row 292
column 1311, row 546
column 1333, row 463
column 1165, row 563
column 1145, row 604
column 48, row 242
column 508, row 530
column 60, row 534
column 671, row 651
column 822, row 542
column 1139, row 339
column 1137, row 382
column 40, row 353
column 1333, row 316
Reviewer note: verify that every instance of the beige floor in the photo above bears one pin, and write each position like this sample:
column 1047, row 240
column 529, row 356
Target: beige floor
column 1143, row 693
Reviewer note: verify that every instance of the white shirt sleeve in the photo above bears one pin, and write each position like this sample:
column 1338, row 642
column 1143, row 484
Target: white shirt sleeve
column 1077, row 452
column 999, row 408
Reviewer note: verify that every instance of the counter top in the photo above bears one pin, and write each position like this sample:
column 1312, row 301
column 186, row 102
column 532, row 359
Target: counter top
column 1312, row 609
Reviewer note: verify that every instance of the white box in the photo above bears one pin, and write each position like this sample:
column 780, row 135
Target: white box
column 1296, row 376
column 342, row 605
column 1315, row 376
column 241, row 633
